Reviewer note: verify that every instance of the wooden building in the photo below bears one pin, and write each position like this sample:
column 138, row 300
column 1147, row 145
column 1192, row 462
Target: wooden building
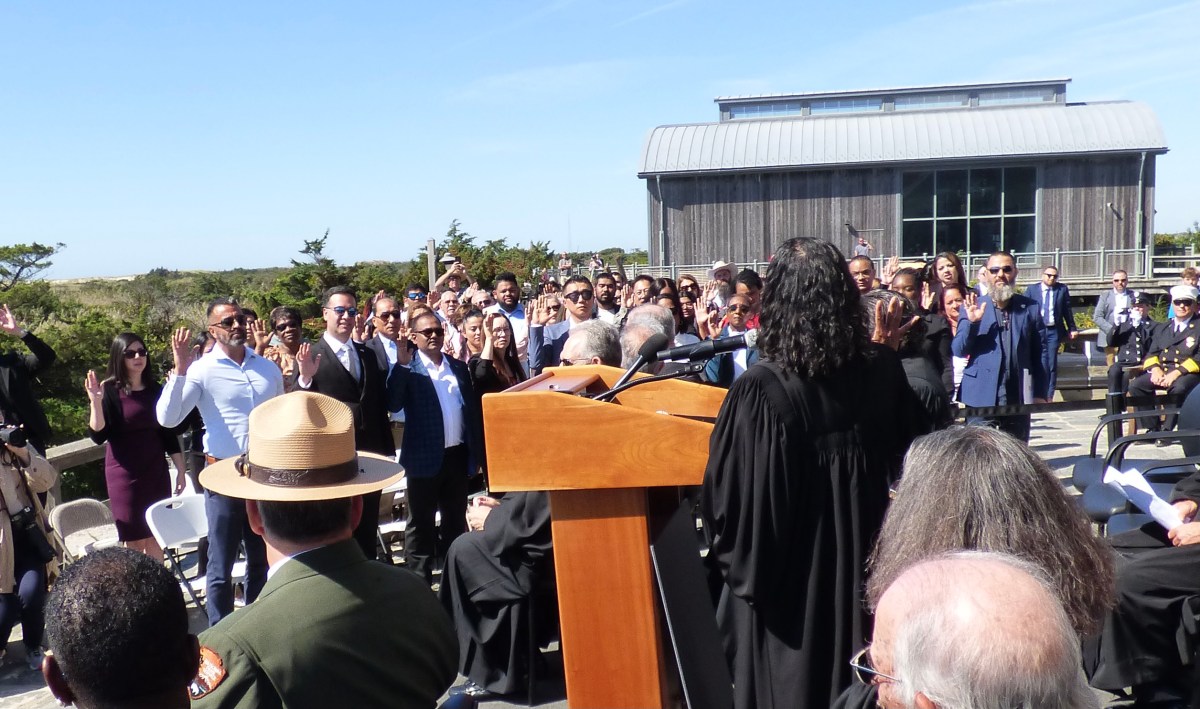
column 969, row 168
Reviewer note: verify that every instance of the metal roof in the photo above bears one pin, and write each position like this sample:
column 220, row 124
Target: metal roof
column 903, row 136
column 1023, row 83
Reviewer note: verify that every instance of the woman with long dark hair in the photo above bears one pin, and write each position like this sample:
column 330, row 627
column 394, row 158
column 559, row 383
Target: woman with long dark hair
column 496, row 367
column 797, row 481
column 944, row 271
column 135, row 466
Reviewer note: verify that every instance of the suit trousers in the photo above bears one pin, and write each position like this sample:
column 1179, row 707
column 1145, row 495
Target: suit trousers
column 228, row 528
column 445, row 492
column 1142, row 386
column 1050, row 362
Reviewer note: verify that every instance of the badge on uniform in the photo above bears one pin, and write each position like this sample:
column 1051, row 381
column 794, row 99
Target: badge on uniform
column 210, row 674
column 1190, row 342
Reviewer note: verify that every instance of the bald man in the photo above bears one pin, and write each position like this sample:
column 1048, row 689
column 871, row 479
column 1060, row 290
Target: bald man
column 974, row 629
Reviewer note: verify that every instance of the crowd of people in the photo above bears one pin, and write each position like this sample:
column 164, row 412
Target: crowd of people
column 838, row 506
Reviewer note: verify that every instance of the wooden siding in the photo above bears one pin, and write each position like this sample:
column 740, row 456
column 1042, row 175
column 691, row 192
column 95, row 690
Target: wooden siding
column 742, row 217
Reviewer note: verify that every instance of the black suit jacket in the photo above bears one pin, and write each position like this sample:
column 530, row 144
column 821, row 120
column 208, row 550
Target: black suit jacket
column 16, row 393
column 366, row 398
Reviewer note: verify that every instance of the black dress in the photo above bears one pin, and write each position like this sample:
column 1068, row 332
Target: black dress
column 794, row 494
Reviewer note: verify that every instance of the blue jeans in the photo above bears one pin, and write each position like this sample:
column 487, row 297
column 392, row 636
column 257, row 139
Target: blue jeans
column 228, row 527
column 27, row 601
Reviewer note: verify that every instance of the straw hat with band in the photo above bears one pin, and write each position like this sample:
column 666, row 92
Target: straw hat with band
column 301, row 448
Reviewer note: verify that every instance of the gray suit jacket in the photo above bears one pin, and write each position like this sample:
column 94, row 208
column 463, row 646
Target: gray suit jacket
column 1105, row 315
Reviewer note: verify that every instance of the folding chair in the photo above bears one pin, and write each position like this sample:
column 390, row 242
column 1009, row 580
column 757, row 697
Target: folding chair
column 391, row 523
column 178, row 524
column 82, row 526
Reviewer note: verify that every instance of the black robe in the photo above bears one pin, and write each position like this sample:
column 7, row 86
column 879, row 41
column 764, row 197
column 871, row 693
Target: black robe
column 794, row 494
column 1137, row 643
column 486, row 576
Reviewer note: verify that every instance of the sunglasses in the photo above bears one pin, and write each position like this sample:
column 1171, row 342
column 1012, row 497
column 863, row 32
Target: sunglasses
column 1050, row 275
column 739, row 308
column 227, row 323
column 134, row 354
column 1184, row 302
column 343, row 310
column 485, row 303
column 415, row 296
column 288, row 324
column 863, row 671
column 390, row 315
column 1120, row 280
column 430, row 332
column 579, row 295
column 554, row 306
column 1006, row 270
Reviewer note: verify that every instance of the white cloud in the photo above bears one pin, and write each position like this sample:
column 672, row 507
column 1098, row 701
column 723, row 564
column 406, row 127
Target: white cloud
column 564, row 79
column 651, row 12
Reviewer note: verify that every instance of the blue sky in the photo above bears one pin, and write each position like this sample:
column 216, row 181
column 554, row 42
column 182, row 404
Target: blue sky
column 215, row 135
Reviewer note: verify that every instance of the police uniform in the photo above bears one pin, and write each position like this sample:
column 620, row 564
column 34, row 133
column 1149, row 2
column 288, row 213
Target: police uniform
column 330, row 629
column 1173, row 350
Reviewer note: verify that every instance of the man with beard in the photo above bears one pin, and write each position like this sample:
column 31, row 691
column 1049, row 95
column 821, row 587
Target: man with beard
column 225, row 384
column 862, row 270
column 508, row 301
column 1003, row 334
column 608, row 308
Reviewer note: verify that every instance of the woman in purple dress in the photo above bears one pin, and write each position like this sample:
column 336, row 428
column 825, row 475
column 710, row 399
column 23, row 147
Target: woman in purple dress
column 135, row 467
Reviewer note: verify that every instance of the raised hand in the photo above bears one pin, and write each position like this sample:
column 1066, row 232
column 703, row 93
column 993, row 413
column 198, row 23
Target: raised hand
column 973, row 308
column 889, row 270
column 306, row 364
column 403, row 337
column 8, row 323
column 541, row 311
column 890, row 327
column 260, row 334
column 627, row 296
column 359, row 333
column 181, row 349
column 92, row 385
column 927, row 297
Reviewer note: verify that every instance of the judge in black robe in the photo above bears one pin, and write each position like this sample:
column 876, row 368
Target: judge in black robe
column 794, row 493
column 487, row 576
column 1137, row 645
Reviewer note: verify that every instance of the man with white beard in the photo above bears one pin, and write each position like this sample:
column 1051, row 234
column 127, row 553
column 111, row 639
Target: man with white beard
column 1003, row 334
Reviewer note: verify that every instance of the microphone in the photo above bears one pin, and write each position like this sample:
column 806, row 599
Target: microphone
column 709, row 348
column 646, row 355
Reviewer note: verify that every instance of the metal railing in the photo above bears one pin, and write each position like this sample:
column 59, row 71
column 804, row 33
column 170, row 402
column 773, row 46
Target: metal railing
column 1083, row 265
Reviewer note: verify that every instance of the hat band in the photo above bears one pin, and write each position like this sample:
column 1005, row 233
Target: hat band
column 297, row 477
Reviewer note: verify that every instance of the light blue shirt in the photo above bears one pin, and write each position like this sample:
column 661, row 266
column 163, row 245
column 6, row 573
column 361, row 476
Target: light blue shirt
column 225, row 392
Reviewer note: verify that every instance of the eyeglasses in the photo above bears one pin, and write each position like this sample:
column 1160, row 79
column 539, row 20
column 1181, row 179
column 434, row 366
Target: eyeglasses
column 864, row 672
column 579, row 295
column 739, row 308
column 415, row 295
column 485, row 303
column 1181, row 301
column 134, row 354
column 577, row 360
column 390, row 315
column 430, row 332
column 227, row 323
column 1006, row 270
column 343, row 310
column 554, row 306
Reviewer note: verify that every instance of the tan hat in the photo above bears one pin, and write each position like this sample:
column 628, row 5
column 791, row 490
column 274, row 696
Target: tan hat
column 720, row 266
column 301, row 448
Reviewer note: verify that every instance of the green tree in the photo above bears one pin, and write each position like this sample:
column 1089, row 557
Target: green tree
column 24, row 262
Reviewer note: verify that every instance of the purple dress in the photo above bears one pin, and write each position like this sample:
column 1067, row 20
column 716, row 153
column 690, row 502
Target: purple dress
column 135, row 466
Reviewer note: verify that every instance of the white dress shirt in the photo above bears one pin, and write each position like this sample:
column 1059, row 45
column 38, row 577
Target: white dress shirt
column 346, row 354
column 393, row 353
column 445, row 383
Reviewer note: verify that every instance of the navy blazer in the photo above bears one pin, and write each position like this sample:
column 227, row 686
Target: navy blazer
column 546, row 344
column 423, row 448
column 1064, row 320
column 981, row 343
column 719, row 369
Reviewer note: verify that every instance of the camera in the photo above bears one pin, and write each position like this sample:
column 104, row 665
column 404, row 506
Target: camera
column 13, row 436
column 23, row 519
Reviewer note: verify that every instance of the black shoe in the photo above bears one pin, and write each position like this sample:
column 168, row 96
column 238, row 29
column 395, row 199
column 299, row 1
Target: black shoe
column 471, row 689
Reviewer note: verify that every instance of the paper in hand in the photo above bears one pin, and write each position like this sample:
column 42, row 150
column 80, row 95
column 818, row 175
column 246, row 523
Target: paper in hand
column 1133, row 485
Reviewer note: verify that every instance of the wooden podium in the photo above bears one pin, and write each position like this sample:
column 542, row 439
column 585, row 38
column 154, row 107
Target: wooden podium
column 597, row 460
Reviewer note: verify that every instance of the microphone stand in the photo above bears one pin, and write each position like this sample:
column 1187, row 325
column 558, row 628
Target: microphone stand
column 693, row 368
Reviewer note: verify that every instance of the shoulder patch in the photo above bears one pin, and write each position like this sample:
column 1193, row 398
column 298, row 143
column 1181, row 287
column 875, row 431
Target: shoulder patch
column 209, row 675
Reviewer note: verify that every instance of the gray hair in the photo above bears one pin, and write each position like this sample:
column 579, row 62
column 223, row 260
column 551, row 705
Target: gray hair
column 598, row 339
column 633, row 337
column 652, row 315
column 973, row 487
column 1003, row 653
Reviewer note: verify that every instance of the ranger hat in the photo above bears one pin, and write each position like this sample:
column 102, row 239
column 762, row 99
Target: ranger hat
column 301, row 448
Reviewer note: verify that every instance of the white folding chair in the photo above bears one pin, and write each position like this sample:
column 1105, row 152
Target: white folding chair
column 83, row 526
column 178, row 524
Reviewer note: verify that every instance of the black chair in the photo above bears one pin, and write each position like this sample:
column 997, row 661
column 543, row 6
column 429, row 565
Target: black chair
column 1103, row 502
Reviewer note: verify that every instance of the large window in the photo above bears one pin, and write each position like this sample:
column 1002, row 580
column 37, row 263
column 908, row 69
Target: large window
column 765, row 110
column 972, row 211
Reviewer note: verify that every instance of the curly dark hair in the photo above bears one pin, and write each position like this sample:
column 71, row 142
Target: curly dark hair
column 811, row 322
